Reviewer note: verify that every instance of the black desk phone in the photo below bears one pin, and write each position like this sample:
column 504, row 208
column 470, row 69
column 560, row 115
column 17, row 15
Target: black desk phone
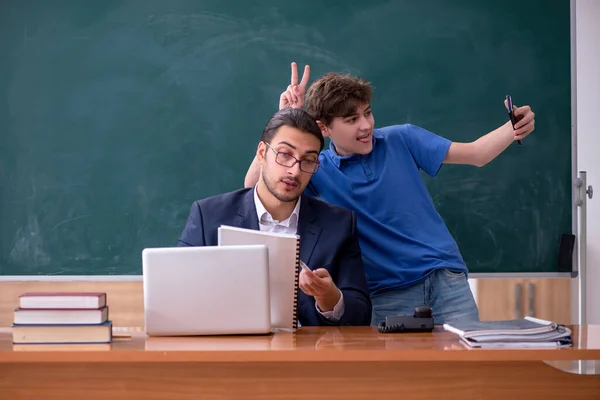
column 420, row 321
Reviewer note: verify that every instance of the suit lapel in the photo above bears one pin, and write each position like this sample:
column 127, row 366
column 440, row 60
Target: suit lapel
column 308, row 230
column 246, row 216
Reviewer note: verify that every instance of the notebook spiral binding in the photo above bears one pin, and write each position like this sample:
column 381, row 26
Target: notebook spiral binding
column 296, row 284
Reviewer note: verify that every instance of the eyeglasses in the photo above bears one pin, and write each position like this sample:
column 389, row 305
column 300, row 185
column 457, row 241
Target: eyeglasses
column 288, row 160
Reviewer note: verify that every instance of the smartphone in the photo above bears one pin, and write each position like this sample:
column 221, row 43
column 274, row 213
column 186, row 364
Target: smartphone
column 304, row 266
column 513, row 118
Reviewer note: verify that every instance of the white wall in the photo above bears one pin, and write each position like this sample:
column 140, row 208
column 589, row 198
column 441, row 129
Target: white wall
column 473, row 285
column 587, row 35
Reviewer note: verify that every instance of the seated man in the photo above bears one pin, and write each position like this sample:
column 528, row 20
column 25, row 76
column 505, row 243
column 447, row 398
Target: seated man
column 335, row 291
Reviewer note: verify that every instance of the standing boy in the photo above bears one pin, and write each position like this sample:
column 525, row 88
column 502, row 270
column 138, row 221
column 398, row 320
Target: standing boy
column 410, row 257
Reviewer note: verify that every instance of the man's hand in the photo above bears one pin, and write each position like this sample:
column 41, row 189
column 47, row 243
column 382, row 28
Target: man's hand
column 293, row 97
column 526, row 121
column 319, row 284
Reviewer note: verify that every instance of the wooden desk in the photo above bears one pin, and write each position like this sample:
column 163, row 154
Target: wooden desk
column 340, row 363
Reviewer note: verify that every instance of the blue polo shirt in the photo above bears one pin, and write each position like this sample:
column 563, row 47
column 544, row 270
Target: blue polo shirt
column 402, row 237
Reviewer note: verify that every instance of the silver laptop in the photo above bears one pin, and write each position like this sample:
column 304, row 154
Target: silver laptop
column 215, row 290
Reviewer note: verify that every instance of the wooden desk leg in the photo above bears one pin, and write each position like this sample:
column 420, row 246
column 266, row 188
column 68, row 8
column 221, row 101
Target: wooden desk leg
column 414, row 380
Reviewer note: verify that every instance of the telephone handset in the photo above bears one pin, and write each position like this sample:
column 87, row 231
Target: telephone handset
column 420, row 321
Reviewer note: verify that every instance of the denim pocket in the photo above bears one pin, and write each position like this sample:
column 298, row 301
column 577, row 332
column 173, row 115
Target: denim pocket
column 455, row 274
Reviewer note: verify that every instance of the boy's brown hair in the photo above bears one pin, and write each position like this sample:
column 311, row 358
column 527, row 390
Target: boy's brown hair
column 336, row 95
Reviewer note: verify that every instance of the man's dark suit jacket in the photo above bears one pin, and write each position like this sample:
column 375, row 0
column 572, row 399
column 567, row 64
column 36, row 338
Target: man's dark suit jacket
column 328, row 239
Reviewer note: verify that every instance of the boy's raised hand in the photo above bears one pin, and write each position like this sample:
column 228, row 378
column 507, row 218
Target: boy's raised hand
column 526, row 121
column 293, row 97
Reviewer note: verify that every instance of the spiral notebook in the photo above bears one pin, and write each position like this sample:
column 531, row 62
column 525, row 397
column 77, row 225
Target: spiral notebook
column 284, row 267
column 528, row 332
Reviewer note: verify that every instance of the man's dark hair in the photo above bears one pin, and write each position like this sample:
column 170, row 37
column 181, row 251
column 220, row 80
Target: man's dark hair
column 294, row 118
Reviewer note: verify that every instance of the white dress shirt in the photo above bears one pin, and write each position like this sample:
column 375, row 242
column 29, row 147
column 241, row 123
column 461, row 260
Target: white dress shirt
column 266, row 223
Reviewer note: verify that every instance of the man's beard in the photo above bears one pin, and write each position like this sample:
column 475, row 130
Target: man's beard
column 283, row 197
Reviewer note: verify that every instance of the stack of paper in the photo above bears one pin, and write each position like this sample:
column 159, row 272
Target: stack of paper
column 528, row 332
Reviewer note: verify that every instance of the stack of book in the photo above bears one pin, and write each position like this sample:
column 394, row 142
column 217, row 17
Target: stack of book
column 62, row 318
column 528, row 332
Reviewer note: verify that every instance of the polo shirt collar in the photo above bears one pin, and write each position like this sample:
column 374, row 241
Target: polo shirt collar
column 337, row 159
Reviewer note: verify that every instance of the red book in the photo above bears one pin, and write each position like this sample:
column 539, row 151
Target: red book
column 62, row 300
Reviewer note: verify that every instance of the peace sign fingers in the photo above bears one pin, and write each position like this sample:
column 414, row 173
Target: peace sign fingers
column 294, row 75
column 305, row 78
column 293, row 96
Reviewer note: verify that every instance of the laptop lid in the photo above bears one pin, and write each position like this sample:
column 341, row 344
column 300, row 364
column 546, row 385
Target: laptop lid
column 211, row 290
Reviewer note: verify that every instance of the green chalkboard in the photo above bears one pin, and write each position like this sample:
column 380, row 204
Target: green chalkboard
column 116, row 115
